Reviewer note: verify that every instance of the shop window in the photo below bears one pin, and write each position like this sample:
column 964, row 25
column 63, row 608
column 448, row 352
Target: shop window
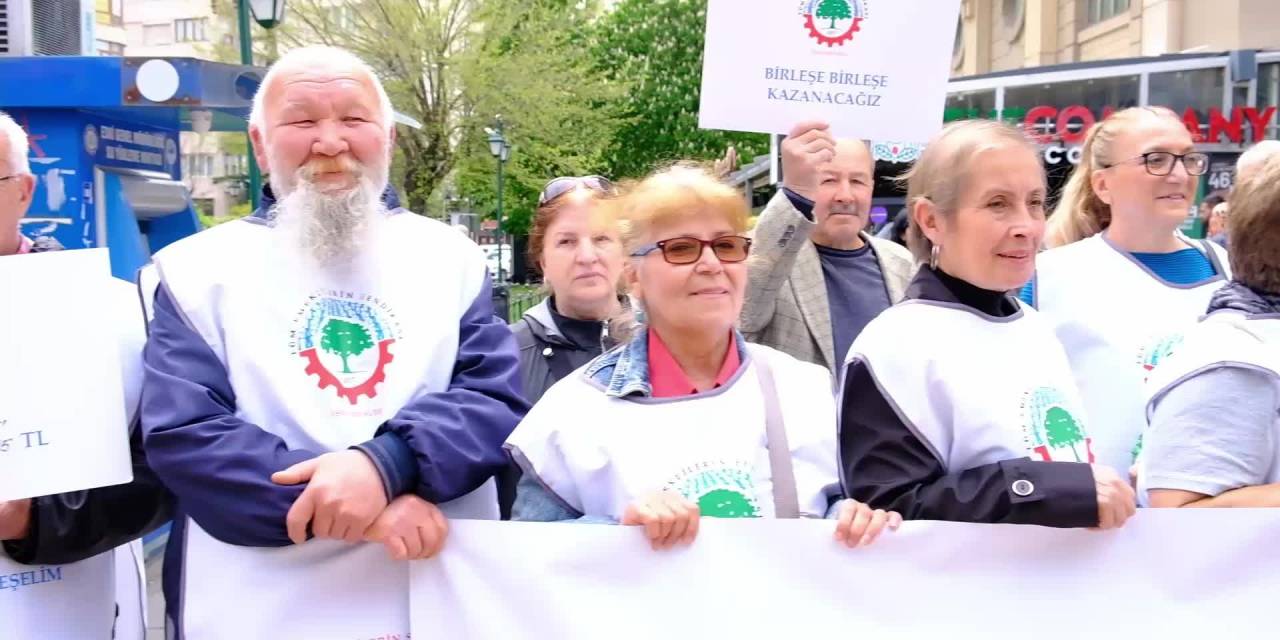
column 1103, row 10
column 1194, row 90
column 1043, row 107
column 970, row 105
column 1269, row 94
column 189, row 30
column 109, row 12
column 106, row 48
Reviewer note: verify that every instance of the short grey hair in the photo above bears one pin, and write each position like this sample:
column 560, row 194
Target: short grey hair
column 319, row 59
column 1253, row 158
column 18, row 149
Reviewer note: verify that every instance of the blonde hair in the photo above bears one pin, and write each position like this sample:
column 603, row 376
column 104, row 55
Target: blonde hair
column 679, row 192
column 1253, row 231
column 1254, row 158
column 1079, row 213
column 940, row 175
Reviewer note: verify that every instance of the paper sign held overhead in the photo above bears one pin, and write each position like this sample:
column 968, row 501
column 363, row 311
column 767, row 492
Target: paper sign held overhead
column 874, row 69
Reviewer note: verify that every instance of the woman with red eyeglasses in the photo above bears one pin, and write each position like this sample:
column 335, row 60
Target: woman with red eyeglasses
column 687, row 419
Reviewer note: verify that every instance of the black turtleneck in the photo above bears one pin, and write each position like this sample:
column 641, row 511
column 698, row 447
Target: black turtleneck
column 584, row 334
column 885, row 464
column 937, row 285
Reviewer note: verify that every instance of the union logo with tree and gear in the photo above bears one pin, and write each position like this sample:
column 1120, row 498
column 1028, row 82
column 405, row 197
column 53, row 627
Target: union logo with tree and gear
column 833, row 22
column 721, row 489
column 345, row 341
column 1052, row 428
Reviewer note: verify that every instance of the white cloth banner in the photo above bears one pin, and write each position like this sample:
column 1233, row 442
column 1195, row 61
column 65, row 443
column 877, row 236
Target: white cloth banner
column 1167, row 574
column 874, row 69
column 322, row 590
column 62, row 413
column 68, row 601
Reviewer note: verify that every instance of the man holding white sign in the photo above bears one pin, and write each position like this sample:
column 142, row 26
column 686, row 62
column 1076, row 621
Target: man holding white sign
column 818, row 278
column 321, row 374
column 68, row 539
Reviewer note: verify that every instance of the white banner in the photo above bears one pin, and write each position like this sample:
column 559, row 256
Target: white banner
column 62, row 413
column 1168, row 574
column 874, row 69
column 321, row 590
column 69, row 601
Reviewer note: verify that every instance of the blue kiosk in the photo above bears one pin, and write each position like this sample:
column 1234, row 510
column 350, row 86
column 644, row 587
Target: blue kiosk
column 105, row 148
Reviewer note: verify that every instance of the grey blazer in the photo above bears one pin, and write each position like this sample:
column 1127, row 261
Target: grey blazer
column 786, row 301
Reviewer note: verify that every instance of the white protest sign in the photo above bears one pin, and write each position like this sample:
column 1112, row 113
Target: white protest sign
column 1193, row 573
column 62, row 407
column 875, row 69
column 68, row 601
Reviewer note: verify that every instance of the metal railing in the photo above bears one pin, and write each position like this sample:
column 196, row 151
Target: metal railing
column 521, row 299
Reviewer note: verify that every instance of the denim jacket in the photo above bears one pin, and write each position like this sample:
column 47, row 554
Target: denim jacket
column 619, row 373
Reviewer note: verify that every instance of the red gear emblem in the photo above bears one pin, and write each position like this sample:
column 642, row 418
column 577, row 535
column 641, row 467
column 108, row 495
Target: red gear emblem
column 831, row 41
column 367, row 388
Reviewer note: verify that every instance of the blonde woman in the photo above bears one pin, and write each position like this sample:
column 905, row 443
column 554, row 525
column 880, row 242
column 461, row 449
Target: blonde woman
column 687, row 419
column 1123, row 283
column 958, row 403
column 1214, row 439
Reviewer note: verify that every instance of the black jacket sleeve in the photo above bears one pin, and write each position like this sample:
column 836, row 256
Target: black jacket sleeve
column 70, row 527
column 884, row 464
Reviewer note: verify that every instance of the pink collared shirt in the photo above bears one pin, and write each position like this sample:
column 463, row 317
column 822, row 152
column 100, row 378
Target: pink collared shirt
column 668, row 380
column 24, row 245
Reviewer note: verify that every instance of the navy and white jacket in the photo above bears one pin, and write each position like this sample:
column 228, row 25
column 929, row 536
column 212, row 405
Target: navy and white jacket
column 255, row 362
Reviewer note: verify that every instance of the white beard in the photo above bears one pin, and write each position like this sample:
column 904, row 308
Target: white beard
column 330, row 228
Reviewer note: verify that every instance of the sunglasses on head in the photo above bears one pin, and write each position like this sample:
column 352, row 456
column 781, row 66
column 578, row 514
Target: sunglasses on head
column 688, row 250
column 563, row 185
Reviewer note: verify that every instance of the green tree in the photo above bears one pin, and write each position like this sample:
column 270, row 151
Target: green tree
column 452, row 66
column 1062, row 430
column 723, row 503
column 345, row 339
column 654, row 47
column 834, row 10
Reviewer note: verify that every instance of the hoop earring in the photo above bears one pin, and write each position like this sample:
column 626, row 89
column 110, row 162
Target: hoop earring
column 933, row 256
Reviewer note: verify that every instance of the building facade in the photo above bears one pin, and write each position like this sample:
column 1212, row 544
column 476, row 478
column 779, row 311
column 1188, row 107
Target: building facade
column 179, row 28
column 1002, row 35
column 108, row 27
column 1057, row 66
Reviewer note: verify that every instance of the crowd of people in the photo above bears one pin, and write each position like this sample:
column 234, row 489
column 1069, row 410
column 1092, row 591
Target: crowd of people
column 340, row 376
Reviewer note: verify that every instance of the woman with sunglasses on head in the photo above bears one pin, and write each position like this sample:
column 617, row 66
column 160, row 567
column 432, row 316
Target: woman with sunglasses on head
column 580, row 257
column 686, row 419
column 958, row 403
column 579, row 254
column 1123, row 282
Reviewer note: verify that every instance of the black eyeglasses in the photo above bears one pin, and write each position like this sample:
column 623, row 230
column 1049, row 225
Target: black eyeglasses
column 563, row 185
column 687, row 250
column 1160, row 163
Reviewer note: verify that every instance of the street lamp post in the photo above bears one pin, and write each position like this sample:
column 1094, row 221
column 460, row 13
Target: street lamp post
column 268, row 13
column 501, row 150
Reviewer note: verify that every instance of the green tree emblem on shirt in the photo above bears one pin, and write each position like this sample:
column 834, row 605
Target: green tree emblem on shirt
column 345, row 339
column 725, row 503
column 834, row 10
column 1062, row 430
